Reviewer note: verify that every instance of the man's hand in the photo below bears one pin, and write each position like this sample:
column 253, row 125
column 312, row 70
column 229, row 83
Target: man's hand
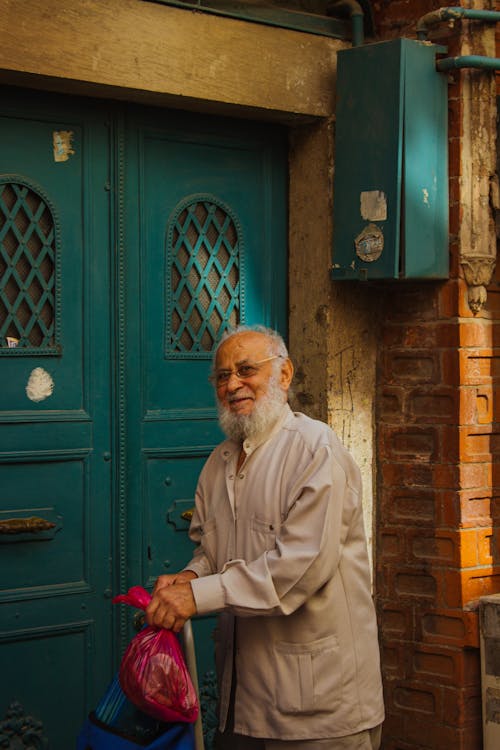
column 183, row 576
column 172, row 604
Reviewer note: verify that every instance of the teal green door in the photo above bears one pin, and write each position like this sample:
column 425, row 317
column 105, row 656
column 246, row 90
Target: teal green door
column 55, row 406
column 206, row 249
column 129, row 240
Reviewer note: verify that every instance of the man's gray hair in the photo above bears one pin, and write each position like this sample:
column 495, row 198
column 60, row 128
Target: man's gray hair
column 276, row 344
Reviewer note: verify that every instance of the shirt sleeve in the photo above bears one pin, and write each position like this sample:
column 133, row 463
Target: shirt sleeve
column 306, row 553
column 199, row 563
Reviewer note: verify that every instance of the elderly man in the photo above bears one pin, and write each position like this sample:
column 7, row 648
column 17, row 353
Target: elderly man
column 281, row 556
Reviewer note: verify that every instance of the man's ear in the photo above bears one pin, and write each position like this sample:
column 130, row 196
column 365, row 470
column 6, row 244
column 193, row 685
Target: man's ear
column 286, row 374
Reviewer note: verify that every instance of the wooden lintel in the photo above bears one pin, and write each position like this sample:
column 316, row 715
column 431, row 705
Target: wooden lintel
column 138, row 50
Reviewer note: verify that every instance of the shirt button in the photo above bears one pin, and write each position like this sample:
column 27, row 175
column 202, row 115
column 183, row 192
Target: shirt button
column 231, row 476
column 241, row 476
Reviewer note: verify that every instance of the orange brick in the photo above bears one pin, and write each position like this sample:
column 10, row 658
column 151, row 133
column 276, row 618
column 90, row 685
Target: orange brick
column 469, row 548
column 396, row 622
column 493, row 302
column 415, row 583
column 393, row 659
column 462, row 707
column 450, row 627
column 488, row 545
column 431, row 662
column 437, row 404
column 454, row 157
column 448, row 509
column 451, row 589
column 431, row 735
column 453, row 186
column 450, row 444
column 481, row 582
column 475, row 475
column 479, row 365
column 422, row 700
column 440, row 548
column 476, row 507
column 476, row 333
column 405, row 474
column 477, row 404
column 445, row 476
column 411, row 506
column 451, row 367
column 448, row 300
column 450, row 666
column 455, row 267
column 390, row 544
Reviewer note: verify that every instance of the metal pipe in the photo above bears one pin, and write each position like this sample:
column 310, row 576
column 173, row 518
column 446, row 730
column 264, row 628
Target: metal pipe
column 453, row 14
column 357, row 17
column 268, row 15
column 468, row 61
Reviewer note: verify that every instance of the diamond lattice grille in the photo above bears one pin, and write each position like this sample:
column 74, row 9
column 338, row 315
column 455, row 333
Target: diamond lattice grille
column 205, row 276
column 27, row 268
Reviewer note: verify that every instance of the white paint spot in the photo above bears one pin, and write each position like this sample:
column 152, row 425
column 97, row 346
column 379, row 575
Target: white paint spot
column 62, row 144
column 425, row 193
column 40, row 385
column 373, row 205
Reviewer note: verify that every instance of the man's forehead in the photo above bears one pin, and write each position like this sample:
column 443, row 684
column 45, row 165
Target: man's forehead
column 243, row 346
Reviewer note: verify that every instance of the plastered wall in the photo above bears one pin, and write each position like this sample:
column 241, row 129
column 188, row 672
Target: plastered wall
column 334, row 326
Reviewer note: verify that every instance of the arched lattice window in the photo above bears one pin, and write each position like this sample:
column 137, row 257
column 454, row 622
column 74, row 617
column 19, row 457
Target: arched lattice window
column 204, row 275
column 27, row 270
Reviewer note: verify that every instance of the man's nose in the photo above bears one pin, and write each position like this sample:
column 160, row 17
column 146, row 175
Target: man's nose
column 234, row 381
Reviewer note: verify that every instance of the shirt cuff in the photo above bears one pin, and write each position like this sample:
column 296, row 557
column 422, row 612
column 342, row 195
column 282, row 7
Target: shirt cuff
column 208, row 594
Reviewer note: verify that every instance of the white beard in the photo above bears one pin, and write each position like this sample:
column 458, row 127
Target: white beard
column 264, row 414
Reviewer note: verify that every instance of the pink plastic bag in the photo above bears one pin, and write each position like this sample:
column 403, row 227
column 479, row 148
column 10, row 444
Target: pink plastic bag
column 153, row 673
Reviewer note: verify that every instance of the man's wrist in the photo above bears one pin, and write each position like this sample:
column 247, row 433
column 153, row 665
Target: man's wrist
column 188, row 574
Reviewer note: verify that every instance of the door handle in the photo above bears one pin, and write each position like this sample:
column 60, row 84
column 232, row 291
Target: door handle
column 188, row 514
column 30, row 525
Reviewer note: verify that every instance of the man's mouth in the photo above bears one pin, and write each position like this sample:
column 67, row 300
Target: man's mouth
column 239, row 400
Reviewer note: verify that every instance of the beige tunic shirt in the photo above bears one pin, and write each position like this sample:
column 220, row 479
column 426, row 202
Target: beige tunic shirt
column 281, row 548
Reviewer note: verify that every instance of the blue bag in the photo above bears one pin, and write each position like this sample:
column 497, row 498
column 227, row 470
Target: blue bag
column 116, row 724
column 95, row 735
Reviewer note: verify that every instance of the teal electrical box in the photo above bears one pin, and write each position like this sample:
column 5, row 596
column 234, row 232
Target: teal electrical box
column 391, row 164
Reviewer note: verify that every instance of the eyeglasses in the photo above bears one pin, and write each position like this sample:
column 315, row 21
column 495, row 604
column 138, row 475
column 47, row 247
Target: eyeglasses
column 243, row 372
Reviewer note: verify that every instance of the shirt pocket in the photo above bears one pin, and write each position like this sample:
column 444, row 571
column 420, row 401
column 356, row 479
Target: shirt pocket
column 308, row 676
column 263, row 534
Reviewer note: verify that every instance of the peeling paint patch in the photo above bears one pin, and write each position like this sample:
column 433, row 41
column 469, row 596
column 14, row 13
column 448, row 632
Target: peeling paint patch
column 62, row 144
column 425, row 193
column 373, row 205
column 40, row 385
column 369, row 243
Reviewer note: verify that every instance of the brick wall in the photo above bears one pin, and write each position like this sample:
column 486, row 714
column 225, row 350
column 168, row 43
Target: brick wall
column 438, row 496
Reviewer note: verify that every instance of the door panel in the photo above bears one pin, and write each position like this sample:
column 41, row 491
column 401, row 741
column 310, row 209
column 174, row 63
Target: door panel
column 206, row 247
column 55, row 621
